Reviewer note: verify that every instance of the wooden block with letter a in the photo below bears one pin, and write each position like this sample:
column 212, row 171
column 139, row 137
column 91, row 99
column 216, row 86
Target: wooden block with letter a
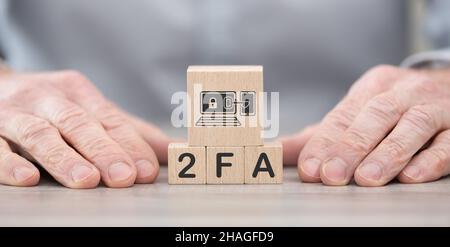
column 264, row 164
column 224, row 105
column 186, row 165
column 225, row 165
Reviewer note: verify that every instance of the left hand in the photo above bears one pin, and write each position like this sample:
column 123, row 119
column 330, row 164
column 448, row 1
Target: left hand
column 393, row 123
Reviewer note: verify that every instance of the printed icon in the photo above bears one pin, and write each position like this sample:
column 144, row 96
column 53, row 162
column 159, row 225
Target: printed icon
column 248, row 99
column 219, row 108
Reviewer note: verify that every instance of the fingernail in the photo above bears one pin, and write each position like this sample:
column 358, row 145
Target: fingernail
column 335, row 169
column 144, row 168
column 412, row 172
column 80, row 173
column 23, row 173
column 371, row 171
column 119, row 172
column 312, row 167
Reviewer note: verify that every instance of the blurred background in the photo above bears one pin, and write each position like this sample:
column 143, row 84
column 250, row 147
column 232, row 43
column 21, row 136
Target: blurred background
column 137, row 51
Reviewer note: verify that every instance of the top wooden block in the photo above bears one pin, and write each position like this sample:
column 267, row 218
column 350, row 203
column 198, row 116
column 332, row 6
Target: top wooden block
column 224, row 105
column 225, row 68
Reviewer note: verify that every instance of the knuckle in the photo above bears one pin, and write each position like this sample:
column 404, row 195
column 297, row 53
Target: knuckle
column 320, row 141
column 395, row 148
column 358, row 141
column 384, row 108
column 341, row 117
column 100, row 148
column 110, row 117
column 421, row 84
column 421, row 119
column 70, row 119
column 31, row 132
column 54, row 157
column 131, row 144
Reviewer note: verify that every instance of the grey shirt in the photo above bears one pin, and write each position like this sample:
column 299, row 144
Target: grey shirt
column 137, row 51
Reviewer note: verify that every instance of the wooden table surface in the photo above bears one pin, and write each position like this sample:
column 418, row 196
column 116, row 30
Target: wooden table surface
column 290, row 204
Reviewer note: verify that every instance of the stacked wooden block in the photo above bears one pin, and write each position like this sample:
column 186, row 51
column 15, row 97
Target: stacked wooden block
column 224, row 132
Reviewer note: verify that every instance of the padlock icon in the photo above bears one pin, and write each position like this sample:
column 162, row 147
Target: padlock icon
column 212, row 104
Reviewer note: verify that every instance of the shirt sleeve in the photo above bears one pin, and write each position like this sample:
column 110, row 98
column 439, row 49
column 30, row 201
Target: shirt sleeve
column 428, row 59
column 3, row 8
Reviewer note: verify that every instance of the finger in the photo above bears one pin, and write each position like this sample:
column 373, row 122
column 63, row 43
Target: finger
column 371, row 125
column 413, row 131
column 431, row 163
column 89, row 138
column 316, row 149
column 121, row 131
column 157, row 139
column 292, row 145
column 84, row 93
column 377, row 118
column 315, row 152
column 15, row 170
column 44, row 143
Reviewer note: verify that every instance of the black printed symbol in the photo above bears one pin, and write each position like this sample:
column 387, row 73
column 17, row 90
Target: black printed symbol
column 259, row 168
column 220, row 163
column 219, row 108
column 183, row 173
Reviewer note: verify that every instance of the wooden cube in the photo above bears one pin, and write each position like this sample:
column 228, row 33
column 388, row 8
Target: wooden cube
column 225, row 165
column 264, row 164
column 186, row 165
column 224, row 105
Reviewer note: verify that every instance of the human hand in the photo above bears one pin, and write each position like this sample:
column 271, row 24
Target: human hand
column 61, row 121
column 393, row 122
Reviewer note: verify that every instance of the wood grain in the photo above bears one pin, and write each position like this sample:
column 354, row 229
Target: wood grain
column 289, row 204
column 269, row 158
column 180, row 156
column 224, row 78
column 233, row 170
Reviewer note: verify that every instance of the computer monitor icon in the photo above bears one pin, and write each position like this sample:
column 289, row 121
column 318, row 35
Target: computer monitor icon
column 219, row 108
column 218, row 102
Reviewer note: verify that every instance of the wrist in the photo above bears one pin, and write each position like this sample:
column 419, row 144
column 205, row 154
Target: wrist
column 4, row 68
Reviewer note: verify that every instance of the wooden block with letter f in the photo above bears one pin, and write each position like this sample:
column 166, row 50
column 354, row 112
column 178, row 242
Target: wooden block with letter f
column 225, row 165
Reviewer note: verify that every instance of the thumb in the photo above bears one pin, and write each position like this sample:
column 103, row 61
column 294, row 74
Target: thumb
column 292, row 145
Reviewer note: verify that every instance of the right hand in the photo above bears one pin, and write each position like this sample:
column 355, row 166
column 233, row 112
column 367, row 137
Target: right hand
column 62, row 122
column 393, row 123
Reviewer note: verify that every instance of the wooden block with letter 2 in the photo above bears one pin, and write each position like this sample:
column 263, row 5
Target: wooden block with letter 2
column 186, row 165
